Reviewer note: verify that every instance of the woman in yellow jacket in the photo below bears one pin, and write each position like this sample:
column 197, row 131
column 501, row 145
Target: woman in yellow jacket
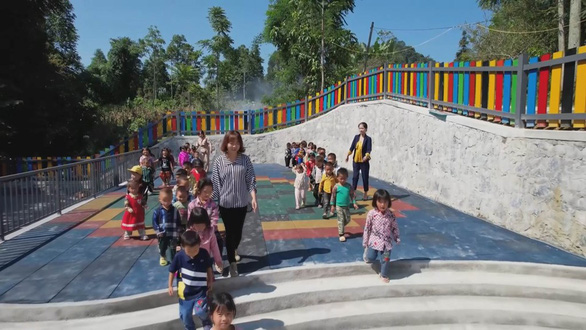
column 361, row 147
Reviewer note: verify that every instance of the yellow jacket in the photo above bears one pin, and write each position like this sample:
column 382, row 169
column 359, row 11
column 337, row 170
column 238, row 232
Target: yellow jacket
column 327, row 183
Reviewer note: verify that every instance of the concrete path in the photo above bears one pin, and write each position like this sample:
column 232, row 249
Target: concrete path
column 87, row 258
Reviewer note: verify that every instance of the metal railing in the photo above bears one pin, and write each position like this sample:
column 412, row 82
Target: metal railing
column 31, row 196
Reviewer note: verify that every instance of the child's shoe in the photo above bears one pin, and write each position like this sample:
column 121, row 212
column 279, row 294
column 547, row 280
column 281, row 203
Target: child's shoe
column 163, row 261
column 126, row 237
column 342, row 238
column 325, row 215
column 144, row 238
column 236, row 256
column 297, row 207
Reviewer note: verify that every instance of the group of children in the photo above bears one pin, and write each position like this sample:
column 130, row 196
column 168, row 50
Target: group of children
column 186, row 227
column 329, row 184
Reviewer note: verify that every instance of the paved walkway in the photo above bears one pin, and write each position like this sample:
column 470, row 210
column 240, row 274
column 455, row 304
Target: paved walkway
column 81, row 256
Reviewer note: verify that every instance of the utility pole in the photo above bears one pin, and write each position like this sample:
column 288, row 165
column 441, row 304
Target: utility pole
column 154, row 81
column 368, row 45
column 323, row 76
column 244, row 87
column 574, row 30
column 561, row 34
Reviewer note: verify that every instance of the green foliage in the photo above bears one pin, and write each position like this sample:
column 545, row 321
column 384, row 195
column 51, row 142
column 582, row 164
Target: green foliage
column 464, row 53
column 294, row 28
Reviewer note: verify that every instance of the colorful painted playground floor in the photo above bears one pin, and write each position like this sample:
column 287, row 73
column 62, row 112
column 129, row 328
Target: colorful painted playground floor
column 81, row 256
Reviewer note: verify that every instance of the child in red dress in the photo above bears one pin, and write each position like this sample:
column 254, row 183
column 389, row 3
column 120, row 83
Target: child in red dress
column 133, row 218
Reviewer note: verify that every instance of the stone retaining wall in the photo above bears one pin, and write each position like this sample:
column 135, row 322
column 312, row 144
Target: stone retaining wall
column 531, row 182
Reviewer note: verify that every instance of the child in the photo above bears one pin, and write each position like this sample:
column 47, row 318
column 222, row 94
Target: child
column 148, row 176
column 301, row 185
column 195, row 280
column 294, row 152
column 342, row 195
column 288, row 155
column 136, row 176
column 148, row 157
column 133, row 218
column 332, row 159
column 316, row 175
column 203, row 199
column 181, row 205
column 183, row 155
column 199, row 221
column 193, row 155
column 379, row 231
column 300, row 156
column 321, row 152
column 166, row 167
column 222, row 311
column 326, row 185
column 181, row 182
column 198, row 171
column 188, row 167
column 166, row 223
column 309, row 164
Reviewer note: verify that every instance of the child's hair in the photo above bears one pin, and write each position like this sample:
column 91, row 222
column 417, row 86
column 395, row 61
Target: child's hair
column 199, row 215
column 380, row 194
column 187, row 163
column 331, row 154
column 182, row 148
column 311, row 155
column 190, row 238
column 329, row 164
column 166, row 192
column 342, row 171
column 221, row 302
column 133, row 184
column 181, row 181
column 319, row 159
column 202, row 184
column 303, row 144
column 197, row 163
column 193, row 148
column 320, row 149
column 181, row 172
column 148, row 150
column 181, row 189
column 288, row 144
column 298, row 167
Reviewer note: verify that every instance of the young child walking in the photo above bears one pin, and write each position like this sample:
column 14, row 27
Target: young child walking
column 327, row 183
column 166, row 223
column 222, row 311
column 133, row 218
column 315, row 179
column 380, row 230
column 203, row 199
column 181, row 205
column 342, row 197
column 166, row 163
column 301, row 185
column 195, row 280
column 199, row 221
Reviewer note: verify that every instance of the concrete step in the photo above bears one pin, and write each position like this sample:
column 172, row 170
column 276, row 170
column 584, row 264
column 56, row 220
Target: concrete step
column 469, row 326
column 431, row 295
column 412, row 311
column 495, row 312
column 410, row 277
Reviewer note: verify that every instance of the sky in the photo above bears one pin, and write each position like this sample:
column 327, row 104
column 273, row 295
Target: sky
column 97, row 21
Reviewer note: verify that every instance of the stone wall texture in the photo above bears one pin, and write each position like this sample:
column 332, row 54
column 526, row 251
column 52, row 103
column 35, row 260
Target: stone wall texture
column 531, row 182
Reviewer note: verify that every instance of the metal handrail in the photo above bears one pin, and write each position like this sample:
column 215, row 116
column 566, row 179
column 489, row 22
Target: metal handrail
column 31, row 196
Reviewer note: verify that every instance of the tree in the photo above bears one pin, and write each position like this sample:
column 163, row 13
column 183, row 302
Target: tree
column 463, row 53
column 153, row 46
column 219, row 45
column 185, row 66
column 124, row 69
column 294, row 28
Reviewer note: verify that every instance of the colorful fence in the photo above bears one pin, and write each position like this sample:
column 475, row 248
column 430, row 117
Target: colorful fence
column 548, row 91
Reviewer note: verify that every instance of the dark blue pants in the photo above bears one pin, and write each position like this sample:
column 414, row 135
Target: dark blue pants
column 356, row 169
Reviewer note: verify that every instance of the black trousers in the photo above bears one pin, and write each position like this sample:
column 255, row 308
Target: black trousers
column 287, row 161
column 356, row 169
column 233, row 222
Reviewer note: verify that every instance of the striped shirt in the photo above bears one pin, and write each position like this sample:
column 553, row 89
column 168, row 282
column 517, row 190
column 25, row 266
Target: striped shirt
column 233, row 181
column 192, row 282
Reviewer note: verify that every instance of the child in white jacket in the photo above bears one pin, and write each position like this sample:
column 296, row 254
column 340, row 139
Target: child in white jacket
column 301, row 185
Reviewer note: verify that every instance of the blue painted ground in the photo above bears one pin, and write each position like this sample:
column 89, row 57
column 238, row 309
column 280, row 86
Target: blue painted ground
column 91, row 262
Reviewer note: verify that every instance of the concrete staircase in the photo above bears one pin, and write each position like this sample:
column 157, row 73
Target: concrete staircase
column 422, row 295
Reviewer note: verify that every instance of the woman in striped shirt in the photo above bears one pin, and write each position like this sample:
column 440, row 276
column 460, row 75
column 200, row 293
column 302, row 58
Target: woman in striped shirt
column 234, row 179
